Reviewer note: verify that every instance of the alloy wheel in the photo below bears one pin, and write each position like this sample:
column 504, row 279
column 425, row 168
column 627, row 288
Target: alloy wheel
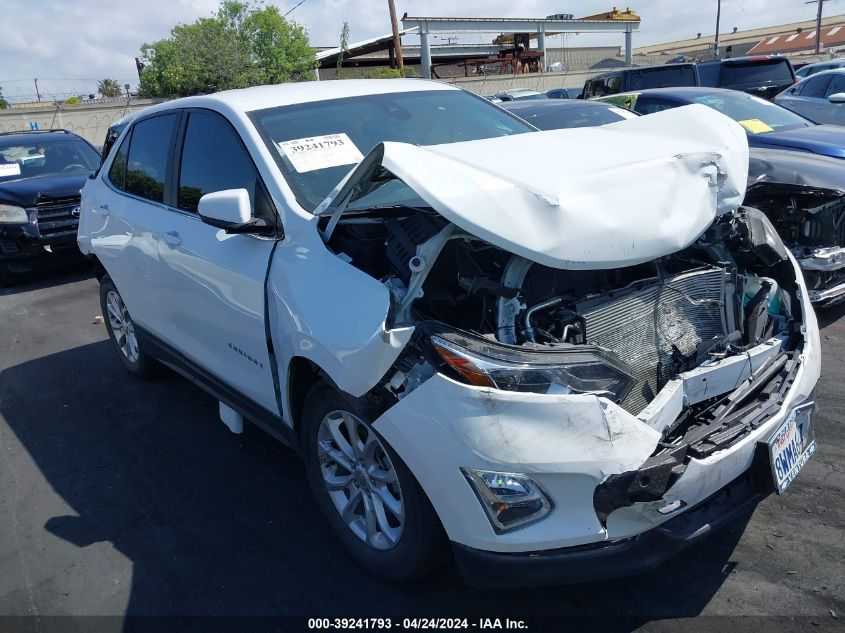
column 360, row 479
column 122, row 326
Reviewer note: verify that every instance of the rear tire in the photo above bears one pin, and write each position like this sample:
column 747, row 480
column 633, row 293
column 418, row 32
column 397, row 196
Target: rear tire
column 366, row 492
column 122, row 333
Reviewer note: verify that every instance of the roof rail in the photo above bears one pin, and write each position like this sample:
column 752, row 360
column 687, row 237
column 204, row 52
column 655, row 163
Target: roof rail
column 35, row 131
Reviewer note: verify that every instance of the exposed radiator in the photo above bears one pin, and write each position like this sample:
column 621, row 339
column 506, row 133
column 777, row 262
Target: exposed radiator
column 655, row 327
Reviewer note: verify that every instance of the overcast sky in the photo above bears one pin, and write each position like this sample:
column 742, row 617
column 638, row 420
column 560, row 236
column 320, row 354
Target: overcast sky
column 69, row 45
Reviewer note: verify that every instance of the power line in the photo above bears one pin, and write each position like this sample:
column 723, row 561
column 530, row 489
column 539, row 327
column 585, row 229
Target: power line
column 291, row 11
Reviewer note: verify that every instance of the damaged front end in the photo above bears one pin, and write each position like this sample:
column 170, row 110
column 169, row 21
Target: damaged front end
column 804, row 197
column 592, row 372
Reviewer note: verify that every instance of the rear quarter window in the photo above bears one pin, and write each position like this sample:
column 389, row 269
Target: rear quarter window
column 117, row 171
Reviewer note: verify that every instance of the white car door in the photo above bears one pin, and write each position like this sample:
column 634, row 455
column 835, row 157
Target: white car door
column 127, row 212
column 212, row 283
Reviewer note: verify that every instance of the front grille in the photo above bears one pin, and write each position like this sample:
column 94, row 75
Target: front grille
column 55, row 216
column 825, row 226
column 656, row 330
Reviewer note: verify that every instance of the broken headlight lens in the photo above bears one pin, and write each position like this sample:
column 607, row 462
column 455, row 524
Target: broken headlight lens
column 511, row 501
column 12, row 215
column 561, row 371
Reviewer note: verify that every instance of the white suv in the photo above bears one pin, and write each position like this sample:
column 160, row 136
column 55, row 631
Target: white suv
column 566, row 354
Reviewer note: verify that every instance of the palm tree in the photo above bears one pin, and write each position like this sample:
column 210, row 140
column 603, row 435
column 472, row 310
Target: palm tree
column 109, row 88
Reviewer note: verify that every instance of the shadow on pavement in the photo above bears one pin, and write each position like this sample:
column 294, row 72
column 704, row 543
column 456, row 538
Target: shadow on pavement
column 49, row 277
column 218, row 524
column 828, row 316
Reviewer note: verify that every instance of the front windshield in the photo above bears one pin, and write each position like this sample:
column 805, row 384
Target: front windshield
column 316, row 144
column 33, row 156
column 756, row 115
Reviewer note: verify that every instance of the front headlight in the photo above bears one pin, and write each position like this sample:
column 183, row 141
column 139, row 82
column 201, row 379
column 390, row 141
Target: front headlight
column 763, row 238
column 582, row 369
column 13, row 215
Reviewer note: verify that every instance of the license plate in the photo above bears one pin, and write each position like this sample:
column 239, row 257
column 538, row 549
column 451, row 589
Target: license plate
column 792, row 445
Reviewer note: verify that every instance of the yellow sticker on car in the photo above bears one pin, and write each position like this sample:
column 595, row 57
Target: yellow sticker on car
column 755, row 126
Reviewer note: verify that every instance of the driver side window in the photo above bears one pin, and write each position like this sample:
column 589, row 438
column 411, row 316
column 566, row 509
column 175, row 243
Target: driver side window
column 837, row 85
column 214, row 159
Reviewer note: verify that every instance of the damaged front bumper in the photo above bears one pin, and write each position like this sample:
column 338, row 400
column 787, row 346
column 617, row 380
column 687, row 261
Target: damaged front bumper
column 625, row 557
column 571, row 445
column 824, row 272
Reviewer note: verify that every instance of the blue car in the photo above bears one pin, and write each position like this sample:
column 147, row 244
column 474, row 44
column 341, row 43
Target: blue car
column 768, row 125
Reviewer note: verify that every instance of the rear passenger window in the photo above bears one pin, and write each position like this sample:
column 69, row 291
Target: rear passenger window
column 117, row 171
column 815, row 87
column 147, row 164
column 213, row 159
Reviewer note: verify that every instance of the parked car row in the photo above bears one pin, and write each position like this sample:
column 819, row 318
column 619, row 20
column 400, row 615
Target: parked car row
column 762, row 75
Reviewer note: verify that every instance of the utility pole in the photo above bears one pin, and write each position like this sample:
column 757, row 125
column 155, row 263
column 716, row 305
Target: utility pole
column 818, row 23
column 37, row 94
column 718, row 16
column 397, row 41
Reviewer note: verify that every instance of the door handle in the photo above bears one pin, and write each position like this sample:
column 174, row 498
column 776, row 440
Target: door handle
column 171, row 238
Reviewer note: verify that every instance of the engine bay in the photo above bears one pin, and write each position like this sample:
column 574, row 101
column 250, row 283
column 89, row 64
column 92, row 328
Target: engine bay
column 724, row 294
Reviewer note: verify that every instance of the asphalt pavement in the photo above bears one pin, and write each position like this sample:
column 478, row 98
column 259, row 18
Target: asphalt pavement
column 120, row 496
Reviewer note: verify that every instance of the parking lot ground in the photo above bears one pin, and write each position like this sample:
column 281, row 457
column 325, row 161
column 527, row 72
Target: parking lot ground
column 126, row 497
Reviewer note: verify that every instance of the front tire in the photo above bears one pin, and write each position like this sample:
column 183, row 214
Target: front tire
column 366, row 492
column 121, row 329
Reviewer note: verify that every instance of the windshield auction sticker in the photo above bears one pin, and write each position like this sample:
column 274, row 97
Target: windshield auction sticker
column 321, row 152
column 9, row 169
column 755, row 126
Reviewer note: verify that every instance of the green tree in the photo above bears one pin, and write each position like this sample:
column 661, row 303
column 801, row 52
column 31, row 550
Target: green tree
column 73, row 100
column 3, row 103
column 344, row 44
column 109, row 88
column 242, row 45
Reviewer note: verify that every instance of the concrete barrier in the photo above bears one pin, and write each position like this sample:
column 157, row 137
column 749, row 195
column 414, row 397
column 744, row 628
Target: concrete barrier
column 541, row 82
column 89, row 121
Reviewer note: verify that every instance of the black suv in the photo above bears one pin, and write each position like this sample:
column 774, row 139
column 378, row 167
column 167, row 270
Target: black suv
column 665, row 76
column 41, row 173
column 762, row 76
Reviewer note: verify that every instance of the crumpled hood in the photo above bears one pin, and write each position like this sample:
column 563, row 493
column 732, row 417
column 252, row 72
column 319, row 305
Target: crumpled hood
column 786, row 167
column 586, row 198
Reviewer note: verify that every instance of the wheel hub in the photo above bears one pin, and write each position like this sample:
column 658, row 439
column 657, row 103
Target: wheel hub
column 360, row 479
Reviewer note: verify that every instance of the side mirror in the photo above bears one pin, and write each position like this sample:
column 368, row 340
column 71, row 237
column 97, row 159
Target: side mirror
column 231, row 211
column 837, row 97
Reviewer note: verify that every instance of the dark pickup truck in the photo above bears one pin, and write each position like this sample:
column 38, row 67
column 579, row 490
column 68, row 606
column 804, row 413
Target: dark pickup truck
column 41, row 173
column 761, row 75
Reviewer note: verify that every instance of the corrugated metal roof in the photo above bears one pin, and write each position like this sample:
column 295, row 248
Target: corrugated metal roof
column 831, row 36
column 740, row 37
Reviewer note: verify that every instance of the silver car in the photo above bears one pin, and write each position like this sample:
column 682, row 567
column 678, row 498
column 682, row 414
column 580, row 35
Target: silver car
column 820, row 97
column 812, row 69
